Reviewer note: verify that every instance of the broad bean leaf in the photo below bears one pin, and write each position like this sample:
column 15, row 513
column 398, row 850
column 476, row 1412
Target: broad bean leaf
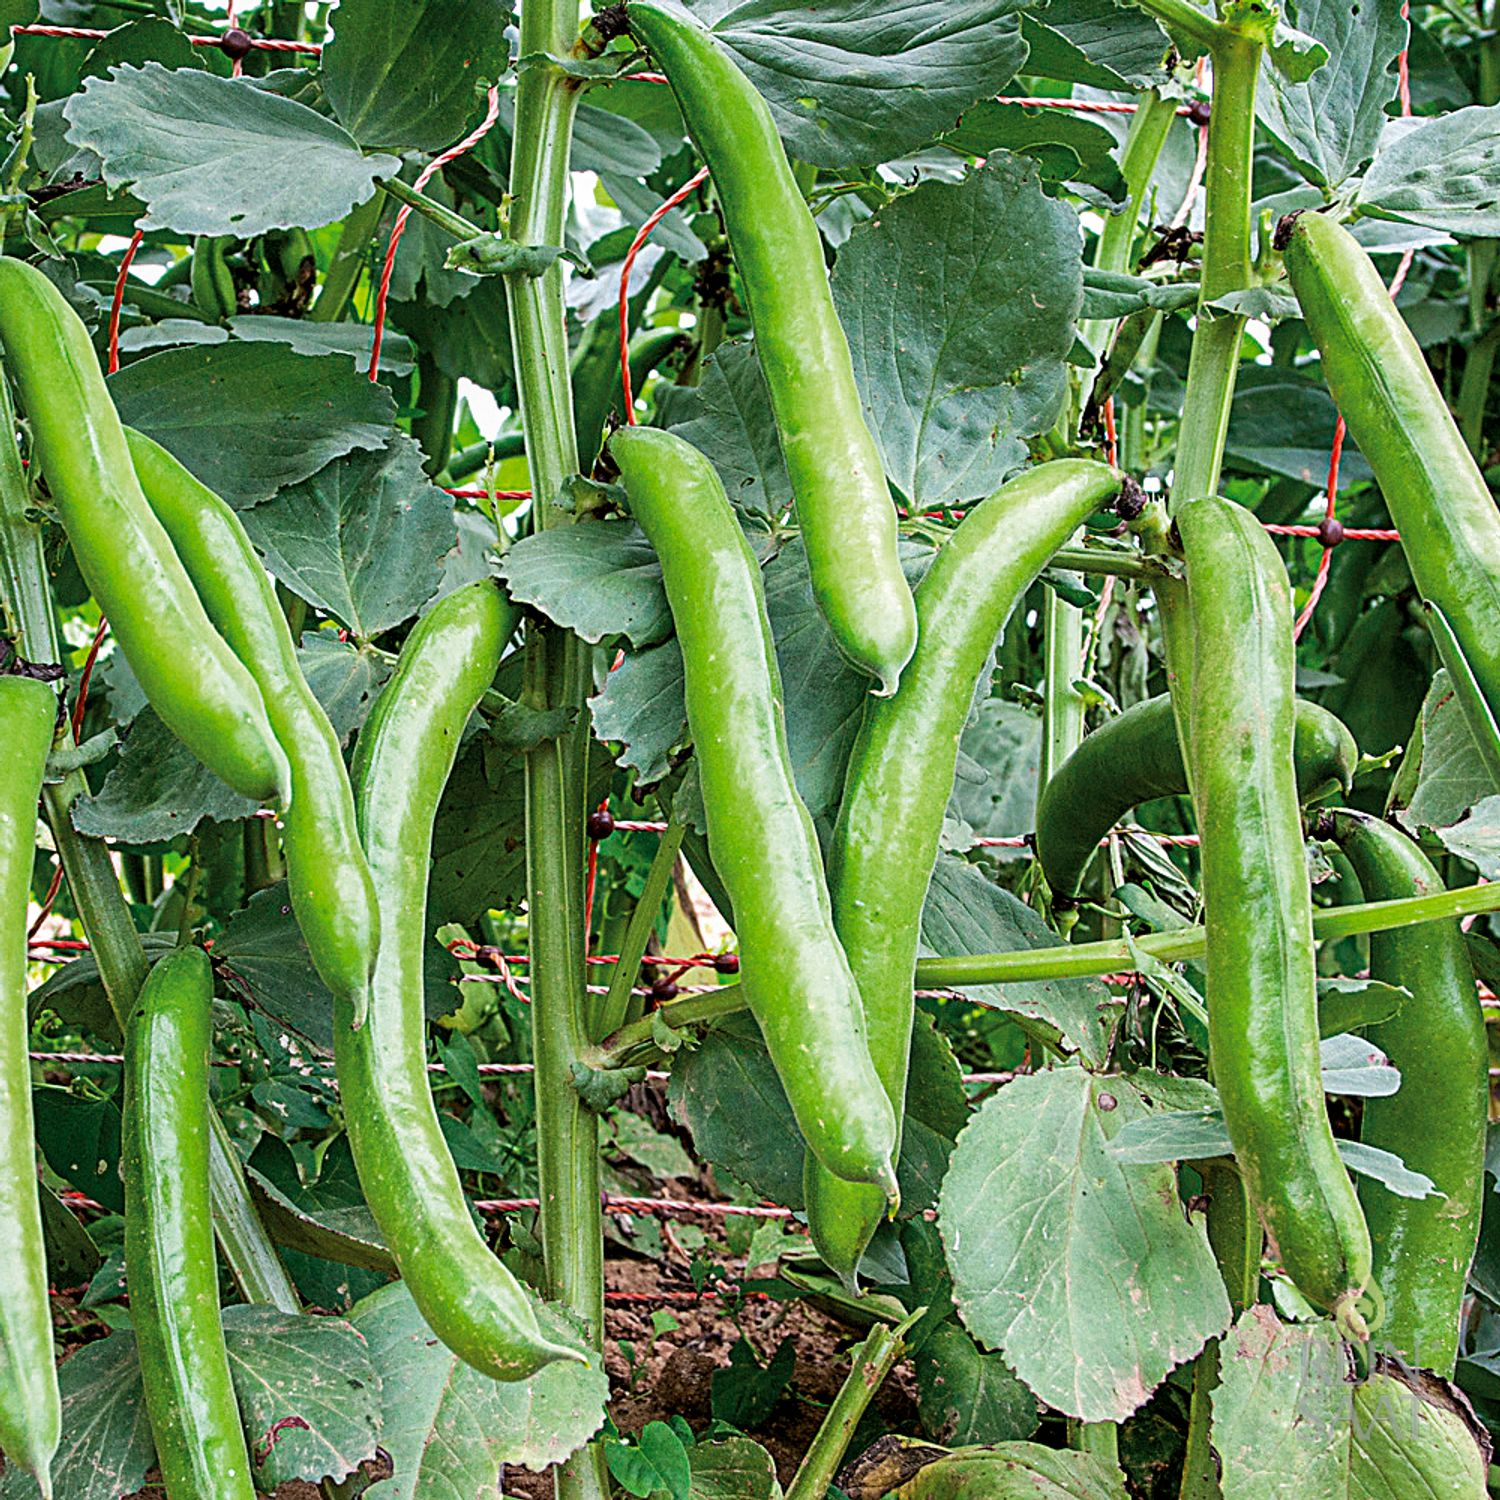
column 1005, row 743
column 1108, row 295
column 1067, row 147
column 156, row 791
column 967, row 913
column 407, row 74
column 1330, row 125
column 728, row 1095
column 965, row 1395
column 274, row 417
column 1015, row 1471
column 733, row 1468
column 152, row 39
column 468, row 337
column 106, row 1436
column 1082, row 1270
column 855, row 82
column 960, row 301
column 1281, row 423
column 727, row 417
column 610, row 143
column 306, row 337
column 1453, row 777
column 1476, row 838
column 599, row 580
column 345, row 678
column 316, row 1370
column 1094, row 42
column 80, row 1139
column 209, row 155
column 1443, row 173
column 363, row 539
column 1288, row 1419
column 447, row 1428
column 265, row 956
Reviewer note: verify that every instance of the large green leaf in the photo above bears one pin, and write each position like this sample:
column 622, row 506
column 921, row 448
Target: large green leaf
column 106, row 1436
column 156, row 791
column 1014, row 1471
column 1288, row 1419
column 1095, row 42
column 960, row 301
column 1443, row 173
column 362, row 540
column 447, row 1428
column 1084, row 1272
column 314, row 1370
column 1067, row 147
column 1330, row 125
column 251, row 418
column 1281, row 423
column 1454, row 776
column 854, row 82
column 727, row 417
column 406, row 73
column 967, row 1396
column 209, row 155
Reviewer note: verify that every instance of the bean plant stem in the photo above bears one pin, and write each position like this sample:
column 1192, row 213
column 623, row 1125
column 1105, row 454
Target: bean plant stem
column 440, row 214
column 114, row 942
column 635, row 1043
column 557, row 673
column 642, row 922
column 873, row 1361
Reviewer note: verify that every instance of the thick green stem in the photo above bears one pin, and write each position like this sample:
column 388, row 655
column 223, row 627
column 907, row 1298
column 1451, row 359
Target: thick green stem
column 1189, row 26
column 635, row 1043
column 873, row 1361
column 557, row 675
column 1116, row 564
column 348, row 260
column 642, row 923
column 113, row 940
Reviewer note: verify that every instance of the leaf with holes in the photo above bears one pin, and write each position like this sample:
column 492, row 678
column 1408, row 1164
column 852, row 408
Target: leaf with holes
column 405, row 73
column 960, row 301
column 363, row 539
column 309, row 1395
column 1083, row 1271
column 1289, row 1419
column 209, row 155
column 1095, row 42
column 854, row 82
column 1331, row 124
column 447, row 1428
column 251, row 418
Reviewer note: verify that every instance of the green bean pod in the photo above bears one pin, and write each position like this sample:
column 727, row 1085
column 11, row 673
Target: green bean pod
column 1262, row 983
column 170, row 1268
column 796, row 978
column 402, row 763
column 211, row 279
column 191, row 678
column 30, row 1415
column 1135, row 757
column 1449, row 524
column 838, row 477
column 333, row 894
column 901, row 774
column 597, row 389
column 1437, row 1121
